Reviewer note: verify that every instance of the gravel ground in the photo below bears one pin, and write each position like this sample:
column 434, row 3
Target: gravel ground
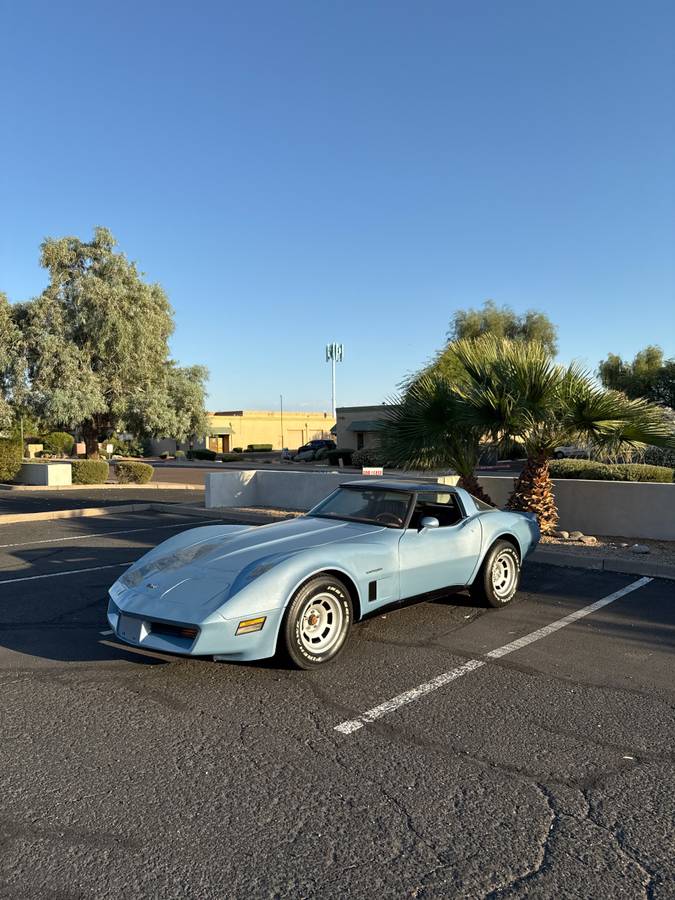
column 616, row 547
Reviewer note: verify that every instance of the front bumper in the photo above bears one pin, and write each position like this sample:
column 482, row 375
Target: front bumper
column 213, row 637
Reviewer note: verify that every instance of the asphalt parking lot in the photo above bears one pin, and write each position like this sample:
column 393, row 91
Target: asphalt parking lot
column 545, row 771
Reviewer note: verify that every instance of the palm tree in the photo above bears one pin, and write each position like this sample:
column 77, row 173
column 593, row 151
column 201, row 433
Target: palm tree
column 425, row 429
column 514, row 390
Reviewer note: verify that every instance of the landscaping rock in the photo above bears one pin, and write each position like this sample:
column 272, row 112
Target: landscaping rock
column 639, row 548
column 576, row 535
column 588, row 539
column 563, row 535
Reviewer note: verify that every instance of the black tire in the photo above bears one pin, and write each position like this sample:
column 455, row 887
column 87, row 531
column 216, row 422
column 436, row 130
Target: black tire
column 325, row 599
column 499, row 577
column 558, row 455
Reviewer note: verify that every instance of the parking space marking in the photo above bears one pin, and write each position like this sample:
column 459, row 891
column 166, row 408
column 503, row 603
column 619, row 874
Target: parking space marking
column 69, row 572
column 79, row 537
column 472, row 665
column 567, row 620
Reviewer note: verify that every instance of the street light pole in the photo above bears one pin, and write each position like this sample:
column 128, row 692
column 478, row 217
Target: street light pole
column 334, row 354
column 281, row 411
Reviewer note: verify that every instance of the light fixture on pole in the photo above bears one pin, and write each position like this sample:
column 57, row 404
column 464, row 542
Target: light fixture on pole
column 334, row 354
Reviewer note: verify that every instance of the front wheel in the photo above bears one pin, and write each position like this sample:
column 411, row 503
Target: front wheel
column 317, row 622
column 497, row 582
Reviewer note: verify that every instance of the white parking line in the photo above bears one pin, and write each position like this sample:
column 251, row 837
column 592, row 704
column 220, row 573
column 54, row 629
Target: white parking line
column 79, row 537
column 69, row 572
column 471, row 665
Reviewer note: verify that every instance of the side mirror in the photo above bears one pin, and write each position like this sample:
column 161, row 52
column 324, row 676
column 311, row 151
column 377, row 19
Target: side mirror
column 429, row 522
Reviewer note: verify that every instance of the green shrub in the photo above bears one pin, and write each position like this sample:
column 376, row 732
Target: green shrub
column 659, row 456
column 597, row 471
column 90, row 471
column 202, row 454
column 180, row 454
column 134, row 472
column 334, row 456
column 238, row 449
column 366, row 458
column 229, row 457
column 261, row 448
column 164, row 454
column 58, row 443
column 10, row 459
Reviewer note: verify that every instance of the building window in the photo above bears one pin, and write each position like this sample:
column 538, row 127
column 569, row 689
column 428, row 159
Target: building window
column 359, row 440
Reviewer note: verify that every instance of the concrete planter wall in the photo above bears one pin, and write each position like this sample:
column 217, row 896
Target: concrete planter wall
column 54, row 474
column 626, row 509
column 623, row 508
column 277, row 490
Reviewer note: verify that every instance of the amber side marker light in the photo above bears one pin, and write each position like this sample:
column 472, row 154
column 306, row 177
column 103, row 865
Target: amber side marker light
column 248, row 625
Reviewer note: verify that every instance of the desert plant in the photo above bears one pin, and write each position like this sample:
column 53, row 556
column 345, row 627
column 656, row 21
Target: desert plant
column 58, row 443
column 367, row 457
column 180, row 454
column 425, row 429
column 202, row 454
column 90, row 471
column 134, row 472
column 659, row 456
column 334, row 457
column 10, row 459
column 515, row 390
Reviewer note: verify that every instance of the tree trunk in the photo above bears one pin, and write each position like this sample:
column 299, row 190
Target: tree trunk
column 90, row 435
column 534, row 493
column 471, row 484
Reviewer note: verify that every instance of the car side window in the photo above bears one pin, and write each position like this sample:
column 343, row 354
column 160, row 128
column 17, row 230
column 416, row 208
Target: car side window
column 444, row 507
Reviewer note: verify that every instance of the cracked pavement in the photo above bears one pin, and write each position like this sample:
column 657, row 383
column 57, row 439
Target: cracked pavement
column 547, row 773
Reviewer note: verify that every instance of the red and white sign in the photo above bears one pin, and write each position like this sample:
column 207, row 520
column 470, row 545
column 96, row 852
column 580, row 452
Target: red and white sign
column 372, row 470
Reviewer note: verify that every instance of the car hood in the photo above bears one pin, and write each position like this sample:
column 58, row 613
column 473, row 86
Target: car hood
column 191, row 575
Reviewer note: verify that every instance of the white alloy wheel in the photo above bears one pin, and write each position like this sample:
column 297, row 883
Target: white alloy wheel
column 504, row 575
column 321, row 623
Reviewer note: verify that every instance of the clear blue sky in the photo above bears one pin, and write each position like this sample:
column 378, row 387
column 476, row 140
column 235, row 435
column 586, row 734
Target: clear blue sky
column 295, row 173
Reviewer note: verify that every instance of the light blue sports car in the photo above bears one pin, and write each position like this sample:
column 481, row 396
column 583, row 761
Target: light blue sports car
column 236, row 592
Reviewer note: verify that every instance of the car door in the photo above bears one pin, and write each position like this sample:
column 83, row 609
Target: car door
column 434, row 558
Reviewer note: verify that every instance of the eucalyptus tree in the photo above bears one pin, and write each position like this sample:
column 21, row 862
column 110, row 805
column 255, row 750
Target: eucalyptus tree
column 97, row 347
column 12, row 364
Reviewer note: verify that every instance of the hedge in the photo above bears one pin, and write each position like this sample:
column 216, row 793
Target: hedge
column 366, row 458
column 597, row 471
column 259, row 447
column 90, row 471
column 59, row 443
column 10, row 459
column 202, row 454
column 229, row 457
column 136, row 472
column 334, row 456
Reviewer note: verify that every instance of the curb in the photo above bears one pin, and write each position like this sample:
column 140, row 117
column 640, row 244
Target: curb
column 153, row 485
column 604, row 564
column 17, row 518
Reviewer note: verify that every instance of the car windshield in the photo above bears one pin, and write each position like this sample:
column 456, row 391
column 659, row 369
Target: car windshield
column 389, row 508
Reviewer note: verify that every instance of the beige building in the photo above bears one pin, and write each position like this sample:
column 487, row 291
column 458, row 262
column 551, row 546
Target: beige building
column 241, row 427
column 357, row 426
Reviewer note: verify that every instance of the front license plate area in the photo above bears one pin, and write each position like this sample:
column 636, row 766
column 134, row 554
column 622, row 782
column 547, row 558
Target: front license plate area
column 131, row 629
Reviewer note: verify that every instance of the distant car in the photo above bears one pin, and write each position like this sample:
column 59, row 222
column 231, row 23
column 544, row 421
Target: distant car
column 237, row 592
column 318, row 444
column 570, row 453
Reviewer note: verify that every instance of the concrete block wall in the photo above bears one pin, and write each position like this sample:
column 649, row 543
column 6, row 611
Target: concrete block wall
column 621, row 508
column 626, row 509
column 46, row 473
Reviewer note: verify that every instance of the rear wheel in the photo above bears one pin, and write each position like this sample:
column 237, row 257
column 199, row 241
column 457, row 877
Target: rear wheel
column 317, row 622
column 497, row 582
